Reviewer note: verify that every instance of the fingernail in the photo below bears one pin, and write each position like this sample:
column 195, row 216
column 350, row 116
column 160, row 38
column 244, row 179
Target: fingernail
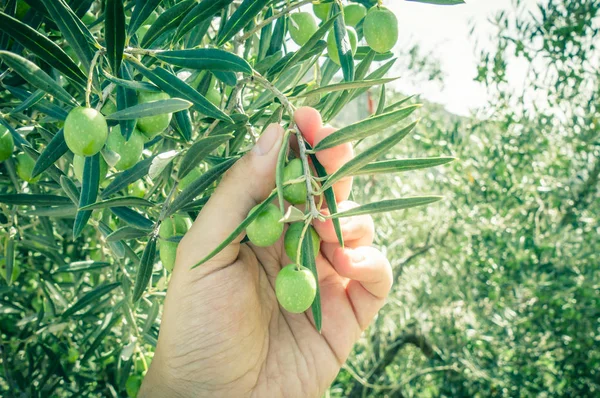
column 357, row 257
column 267, row 140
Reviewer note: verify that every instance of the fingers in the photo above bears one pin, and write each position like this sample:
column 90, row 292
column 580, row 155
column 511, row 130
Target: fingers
column 370, row 276
column 245, row 185
column 310, row 124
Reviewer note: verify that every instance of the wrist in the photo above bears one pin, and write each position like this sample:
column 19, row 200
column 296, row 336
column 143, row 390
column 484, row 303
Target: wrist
column 159, row 382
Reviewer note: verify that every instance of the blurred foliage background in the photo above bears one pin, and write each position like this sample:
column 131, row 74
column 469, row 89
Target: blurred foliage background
column 497, row 288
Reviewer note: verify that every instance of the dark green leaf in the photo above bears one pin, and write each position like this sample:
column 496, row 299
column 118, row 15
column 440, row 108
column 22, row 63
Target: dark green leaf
column 132, row 84
column 118, row 248
column 127, row 177
column 227, row 78
column 206, row 58
column 89, row 192
column 167, row 21
column 347, row 86
column 240, row 18
column 36, row 76
column 281, row 160
column 308, row 260
column 43, row 47
column 31, row 101
column 176, row 87
column 381, row 102
column 203, row 11
column 343, row 43
column 126, row 233
column 82, row 266
column 120, row 201
column 109, row 322
column 363, row 51
column 278, row 36
column 42, row 105
column 182, row 122
column 401, row 165
column 9, row 259
column 236, row 232
column 70, row 189
column 114, row 34
column 89, row 298
column 396, row 104
column 365, row 128
column 23, row 199
column 53, row 151
column 197, row 152
column 132, row 218
column 126, row 98
column 141, row 12
column 365, row 157
column 198, row 186
column 144, row 273
column 265, row 36
column 151, row 109
column 388, row 205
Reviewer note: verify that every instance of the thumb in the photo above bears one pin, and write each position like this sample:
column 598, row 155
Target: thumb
column 247, row 183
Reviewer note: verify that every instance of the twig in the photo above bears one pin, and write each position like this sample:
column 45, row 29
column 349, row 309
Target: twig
column 90, row 79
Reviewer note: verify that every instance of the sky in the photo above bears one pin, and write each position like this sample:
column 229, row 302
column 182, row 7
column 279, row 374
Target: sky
column 444, row 31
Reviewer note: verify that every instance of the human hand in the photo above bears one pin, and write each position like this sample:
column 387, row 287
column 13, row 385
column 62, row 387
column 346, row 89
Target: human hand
column 223, row 332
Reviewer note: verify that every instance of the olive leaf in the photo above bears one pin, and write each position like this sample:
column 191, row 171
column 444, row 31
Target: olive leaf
column 119, row 202
column 343, row 43
column 440, row 2
column 153, row 108
column 205, row 58
column 118, row 248
column 347, row 86
column 82, row 266
column 308, row 260
column 42, row 105
column 240, row 18
column 281, row 160
column 182, row 123
column 126, row 233
column 203, row 11
column 142, row 10
column 126, row 98
column 144, row 273
column 109, row 322
column 132, row 218
column 167, row 21
column 35, row 76
column 131, row 84
column 401, row 165
column 70, row 189
column 381, row 102
column 160, row 162
column 385, row 206
column 197, row 152
column 90, row 297
column 24, row 199
column 9, row 259
column 89, row 192
column 121, row 181
column 29, row 102
column 266, row 33
column 114, row 34
column 53, row 151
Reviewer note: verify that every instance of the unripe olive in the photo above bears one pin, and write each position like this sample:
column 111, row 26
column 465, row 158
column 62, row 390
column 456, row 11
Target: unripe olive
column 72, row 355
column 79, row 162
column 354, row 13
column 295, row 193
column 108, row 108
column 213, row 96
column 7, row 143
column 380, row 29
column 332, row 49
column 168, row 254
column 25, row 166
column 85, row 131
column 295, row 288
column 302, row 26
column 130, row 150
column 322, row 10
column 175, row 225
column 265, row 229
column 88, row 18
column 141, row 32
column 292, row 238
column 153, row 125
column 190, row 177
column 137, row 189
column 132, row 386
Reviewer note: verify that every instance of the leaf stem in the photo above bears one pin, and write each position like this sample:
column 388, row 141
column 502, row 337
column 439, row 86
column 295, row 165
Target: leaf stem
column 90, row 79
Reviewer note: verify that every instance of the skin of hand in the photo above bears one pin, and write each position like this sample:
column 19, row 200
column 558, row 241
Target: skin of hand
column 223, row 333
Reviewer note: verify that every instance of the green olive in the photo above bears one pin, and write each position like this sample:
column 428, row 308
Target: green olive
column 190, row 177
column 168, row 253
column 153, row 125
column 132, row 386
column 85, row 131
column 295, row 193
column 302, row 26
column 25, row 166
column 141, row 32
column 7, row 143
column 295, row 288
column 108, row 108
column 137, row 189
column 332, row 48
column 79, row 162
column 265, row 229
column 130, row 150
column 322, row 10
column 72, row 355
column 292, row 238
column 354, row 13
column 380, row 29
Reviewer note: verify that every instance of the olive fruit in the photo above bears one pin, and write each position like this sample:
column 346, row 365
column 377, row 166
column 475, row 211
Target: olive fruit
column 170, row 227
column 322, row 10
column 294, row 193
column 332, row 49
column 141, row 32
column 153, row 125
column 213, row 96
column 72, row 355
column 265, row 229
column 380, row 29
column 79, row 162
column 137, row 189
column 354, row 13
column 292, row 238
column 25, row 166
column 7, row 143
column 108, row 108
column 190, row 177
column 295, row 288
column 132, row 386
column 85, row 131
column 130, row 150
column 302, row 26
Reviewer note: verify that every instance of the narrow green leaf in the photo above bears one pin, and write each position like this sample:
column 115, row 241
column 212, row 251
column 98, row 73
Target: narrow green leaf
column 70, row 189
column 120, row 201
column 347, row 86
column 365, row 128
column 132, row 218
column 126, row 233
column 9, row 259
column 144, row 273
column 31, row 101
column 265, row 36
column 43, row 47
column 24, row 199
column 42, row 105
column 381, row 102
column 82, row 266
column 89, row 298
column 278, row 36
column 182, row 123
column 74, row 31
column 114, row 34
column 240, row 18
column 363, row 51
column 227, row 78
column 89, row 192
column 63, row 211
column 167, row 21
column 35, row 76
column 343, row 43
column 141, row 12
column 176, row 87
column 308, row 260
column 205, row 58
column 365, row 157
column 281, row 160
column 126, row 98
column 199, row 185
column 109, row 322
column 206, row 9
column 238, row 230
column 151, row 109
column 385, row 206
column 53, row 151
column 118, row 248
column 440, row 2
column 131, row 84
column 397, row 104
column 401, row 165
column 121, row 181
column 197, row 152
